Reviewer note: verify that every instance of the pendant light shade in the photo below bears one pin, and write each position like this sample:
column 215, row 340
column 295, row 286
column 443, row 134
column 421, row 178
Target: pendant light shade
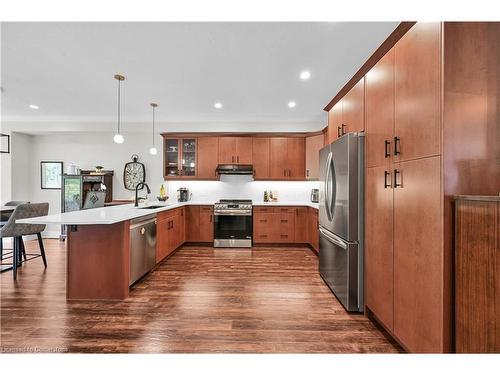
column 153, row 150
column 118, row 138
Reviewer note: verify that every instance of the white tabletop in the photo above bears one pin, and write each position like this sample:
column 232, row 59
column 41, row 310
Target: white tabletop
column 116, row 214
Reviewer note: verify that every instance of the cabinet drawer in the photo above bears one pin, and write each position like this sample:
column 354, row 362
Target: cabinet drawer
column 206, row 208
column 168, row 214
column 263, row 209
column 285, row 210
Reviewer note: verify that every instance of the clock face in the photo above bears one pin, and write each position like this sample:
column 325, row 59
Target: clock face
column 133, row 174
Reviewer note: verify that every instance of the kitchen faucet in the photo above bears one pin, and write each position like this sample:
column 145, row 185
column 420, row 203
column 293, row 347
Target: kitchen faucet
column 140, row 185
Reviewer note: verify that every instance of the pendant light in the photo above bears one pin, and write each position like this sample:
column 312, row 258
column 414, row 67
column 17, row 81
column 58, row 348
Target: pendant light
column 153, row 150
column 118, row 138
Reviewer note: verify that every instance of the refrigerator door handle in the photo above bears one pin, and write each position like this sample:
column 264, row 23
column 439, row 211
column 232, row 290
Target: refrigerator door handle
column 328, row 203
column 333, row 239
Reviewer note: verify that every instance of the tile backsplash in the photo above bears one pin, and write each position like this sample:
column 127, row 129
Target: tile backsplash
column 243, row 187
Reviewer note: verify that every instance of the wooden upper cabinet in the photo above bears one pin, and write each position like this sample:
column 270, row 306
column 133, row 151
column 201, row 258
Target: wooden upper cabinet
column 353, row 109
column 334, row 122
column 380, row 111
column 235, row 150
column 296, row 162
column 418, row 256
column 208, row 151
column 260, row 157
column 287, row 158
column 379, row 264
column 417, row 92
column 244, row 150
column 313, row 145
column 278, row 157
column 227, row 150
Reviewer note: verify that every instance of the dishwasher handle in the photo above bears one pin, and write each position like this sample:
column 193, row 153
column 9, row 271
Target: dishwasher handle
column 142, row 223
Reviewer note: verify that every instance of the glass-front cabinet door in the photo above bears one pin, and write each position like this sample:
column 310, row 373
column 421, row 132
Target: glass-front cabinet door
column 179, row 158
column 172, row 153
column 189, row 157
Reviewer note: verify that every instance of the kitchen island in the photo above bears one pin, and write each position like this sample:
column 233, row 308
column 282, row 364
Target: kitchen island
column 98, row 247
column 98, row 243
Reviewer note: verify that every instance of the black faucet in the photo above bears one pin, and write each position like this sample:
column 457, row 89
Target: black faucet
column 141, row 185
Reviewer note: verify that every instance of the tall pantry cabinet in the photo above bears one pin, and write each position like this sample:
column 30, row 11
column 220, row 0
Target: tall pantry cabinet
column 418, row 155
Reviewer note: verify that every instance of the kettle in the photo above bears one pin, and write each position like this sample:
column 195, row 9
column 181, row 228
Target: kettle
column 183, row 195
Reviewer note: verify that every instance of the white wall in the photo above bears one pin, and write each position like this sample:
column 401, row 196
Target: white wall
column 23, row 177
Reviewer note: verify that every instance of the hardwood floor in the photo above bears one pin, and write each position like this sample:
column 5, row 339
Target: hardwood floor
column 200, row 300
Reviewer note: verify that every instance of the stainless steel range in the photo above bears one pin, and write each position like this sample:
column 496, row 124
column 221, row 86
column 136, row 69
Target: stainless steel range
column 233, row 223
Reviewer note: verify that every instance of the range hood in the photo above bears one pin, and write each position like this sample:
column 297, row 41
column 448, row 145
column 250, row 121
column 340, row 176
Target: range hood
column 235, row 169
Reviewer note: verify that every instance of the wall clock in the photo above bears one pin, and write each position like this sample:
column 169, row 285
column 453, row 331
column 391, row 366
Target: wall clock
column 133, row 173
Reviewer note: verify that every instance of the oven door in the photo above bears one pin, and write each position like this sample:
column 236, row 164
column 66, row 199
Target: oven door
column 232, row 230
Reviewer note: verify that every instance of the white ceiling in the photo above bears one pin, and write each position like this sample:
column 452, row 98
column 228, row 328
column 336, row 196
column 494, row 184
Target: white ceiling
column 251, row 68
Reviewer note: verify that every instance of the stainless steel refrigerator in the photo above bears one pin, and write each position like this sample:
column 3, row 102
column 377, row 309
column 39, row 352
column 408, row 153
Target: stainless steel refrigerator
column 341, row 207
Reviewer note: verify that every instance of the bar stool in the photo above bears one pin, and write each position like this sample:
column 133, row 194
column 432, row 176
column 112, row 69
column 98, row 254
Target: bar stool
column 4, row 218
column 12, row 229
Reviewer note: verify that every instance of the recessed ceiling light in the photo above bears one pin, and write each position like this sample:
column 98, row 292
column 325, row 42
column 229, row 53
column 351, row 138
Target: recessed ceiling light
column 305, row 75
column 218, row 105
column 34, row 106
column 291, row 104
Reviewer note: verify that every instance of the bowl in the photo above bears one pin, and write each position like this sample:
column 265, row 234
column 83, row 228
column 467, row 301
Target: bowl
column 162, row 199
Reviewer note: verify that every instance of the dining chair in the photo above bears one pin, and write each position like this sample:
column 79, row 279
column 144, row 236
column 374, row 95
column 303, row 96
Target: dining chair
column 17, row 230
column 4, row 218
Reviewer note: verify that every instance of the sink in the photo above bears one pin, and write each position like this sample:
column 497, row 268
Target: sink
column 150, row 207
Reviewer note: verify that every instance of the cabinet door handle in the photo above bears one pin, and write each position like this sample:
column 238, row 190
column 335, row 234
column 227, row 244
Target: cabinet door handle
column 343, row 126
column 238, row 159
column 284, row 221
column 232, row 159
column 263, row 220
column 397, row 141
column 338, row 132
column 211, row 218
column 284, row 172
column 386, row 174
column 307, row 172
column 387, row 148
column 396, row 173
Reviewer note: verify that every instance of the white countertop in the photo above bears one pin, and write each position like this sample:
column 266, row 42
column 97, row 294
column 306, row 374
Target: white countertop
column 116, row 214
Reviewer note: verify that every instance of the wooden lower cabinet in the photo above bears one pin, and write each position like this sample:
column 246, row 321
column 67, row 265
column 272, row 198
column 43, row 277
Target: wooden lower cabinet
column 199, row 223
column 477, row 274
column 170, row 232
column 404, row 259
column 206, row 224
column 379, row 255
column 313, row 228
column 192, row 223
column 301, row 225
column 298, row 225
column 418, row 255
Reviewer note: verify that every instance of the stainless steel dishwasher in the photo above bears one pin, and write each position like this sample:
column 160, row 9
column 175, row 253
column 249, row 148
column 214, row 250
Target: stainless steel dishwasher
column 142, row 246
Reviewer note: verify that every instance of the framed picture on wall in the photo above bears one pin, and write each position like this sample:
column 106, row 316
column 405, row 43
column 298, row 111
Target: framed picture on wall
column 4, row 143
column 51, row 174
